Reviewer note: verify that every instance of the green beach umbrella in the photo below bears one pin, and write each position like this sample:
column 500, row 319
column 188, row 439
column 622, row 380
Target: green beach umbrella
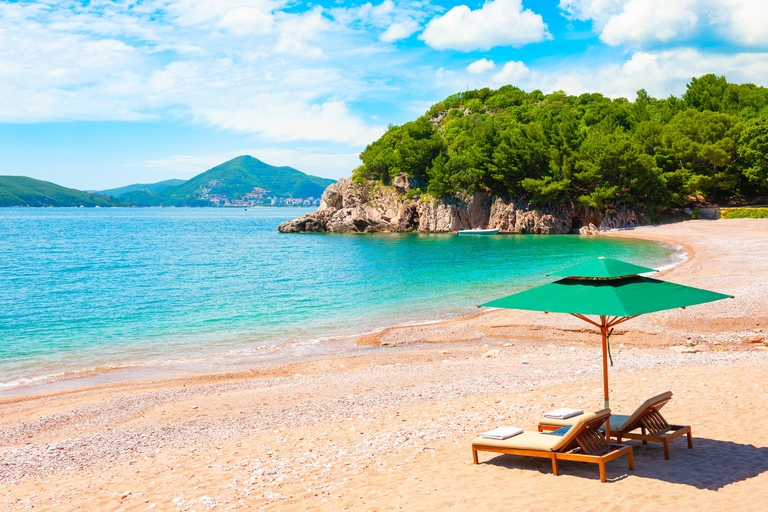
column 610, row 289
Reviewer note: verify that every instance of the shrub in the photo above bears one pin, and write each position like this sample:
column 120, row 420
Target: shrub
column 412, row 192
column 744, row 213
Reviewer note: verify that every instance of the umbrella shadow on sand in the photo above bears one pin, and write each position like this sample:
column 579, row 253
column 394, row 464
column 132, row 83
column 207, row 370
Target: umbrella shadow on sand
column 711, row 465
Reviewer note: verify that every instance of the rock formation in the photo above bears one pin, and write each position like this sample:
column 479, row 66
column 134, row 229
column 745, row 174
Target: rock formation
column 370, row 207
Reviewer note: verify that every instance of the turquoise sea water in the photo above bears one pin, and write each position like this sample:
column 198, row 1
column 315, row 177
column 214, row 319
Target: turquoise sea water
column 85, row 288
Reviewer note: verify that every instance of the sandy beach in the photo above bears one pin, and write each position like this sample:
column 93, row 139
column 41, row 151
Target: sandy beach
column 389, row 427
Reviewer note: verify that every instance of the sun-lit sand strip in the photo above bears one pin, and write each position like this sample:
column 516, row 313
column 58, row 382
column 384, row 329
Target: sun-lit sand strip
column 390, row 429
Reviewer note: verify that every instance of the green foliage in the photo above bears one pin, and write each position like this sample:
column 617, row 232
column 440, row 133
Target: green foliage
column 23, row 191
column 409, row 149
column 715, row 94
column 704, row 147
column 706, row 93
column 588, row 149
column 696, row 213
column 609, row 170
column 744, row 213
column 412, row 193
column 753, row 152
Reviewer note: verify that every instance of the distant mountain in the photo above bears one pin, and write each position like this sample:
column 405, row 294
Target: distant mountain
column 242, row 180
column 23, row 191
column 149, row 187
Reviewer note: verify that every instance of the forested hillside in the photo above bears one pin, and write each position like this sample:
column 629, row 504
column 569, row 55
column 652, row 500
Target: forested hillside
column 23, row 191
column 711, row 144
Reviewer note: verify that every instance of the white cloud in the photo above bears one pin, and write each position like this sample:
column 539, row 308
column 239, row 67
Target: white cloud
column 397, row 20
column 191, row 13
column 400, row 30
column 597, row 10
column 184, row 58
column 512, row 73
column 661, row 73
column 642, row 22
column 298, row 31
column 481, row 66
column 46, row 75
column 667, row 72
column 497, row 23
column 651, row 20
column 247, row 20
column 290, row 75
column 743, row 22
column 281, row 119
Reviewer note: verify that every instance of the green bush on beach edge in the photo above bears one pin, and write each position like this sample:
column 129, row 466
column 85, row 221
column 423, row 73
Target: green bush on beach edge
column 744, row 213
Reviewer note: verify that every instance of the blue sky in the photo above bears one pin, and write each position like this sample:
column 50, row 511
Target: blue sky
column 101, row 94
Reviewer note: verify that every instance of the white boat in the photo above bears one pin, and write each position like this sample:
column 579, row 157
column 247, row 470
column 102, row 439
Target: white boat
column 478, row 231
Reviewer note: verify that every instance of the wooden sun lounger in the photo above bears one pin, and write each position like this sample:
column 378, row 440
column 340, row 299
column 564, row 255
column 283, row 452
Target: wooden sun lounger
column 583, row 442
column 647, row 418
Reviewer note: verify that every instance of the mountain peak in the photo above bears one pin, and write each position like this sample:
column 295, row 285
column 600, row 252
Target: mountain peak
column 244, row 159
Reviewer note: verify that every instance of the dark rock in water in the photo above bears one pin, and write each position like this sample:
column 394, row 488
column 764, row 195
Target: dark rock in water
column 349, row 207
column 305, row 224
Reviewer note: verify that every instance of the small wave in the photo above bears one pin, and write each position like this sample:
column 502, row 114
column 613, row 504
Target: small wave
column 231, row 356
column 678, row 256
column 59, row 376
column 80, row 373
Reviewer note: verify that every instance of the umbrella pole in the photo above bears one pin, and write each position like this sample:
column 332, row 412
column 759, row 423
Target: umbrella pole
column 604, row 332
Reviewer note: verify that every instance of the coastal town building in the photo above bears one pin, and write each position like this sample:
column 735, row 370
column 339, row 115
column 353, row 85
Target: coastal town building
column 256, row 197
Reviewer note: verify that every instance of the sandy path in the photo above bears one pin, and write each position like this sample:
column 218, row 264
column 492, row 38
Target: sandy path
column 390, row 430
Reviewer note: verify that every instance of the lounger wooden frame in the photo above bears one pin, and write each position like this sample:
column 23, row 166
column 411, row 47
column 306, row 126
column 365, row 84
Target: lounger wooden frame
column 589, row 445
column 653, row 427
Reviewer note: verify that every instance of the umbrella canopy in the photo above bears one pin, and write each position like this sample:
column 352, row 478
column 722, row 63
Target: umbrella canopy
column 603, row 268
column 610, row 289
column 625, row 297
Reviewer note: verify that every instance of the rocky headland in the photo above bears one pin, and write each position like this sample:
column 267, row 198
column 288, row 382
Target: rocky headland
column 370, row 207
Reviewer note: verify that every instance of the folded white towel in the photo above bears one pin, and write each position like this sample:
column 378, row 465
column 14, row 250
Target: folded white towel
column 502, row 433
column 562, row 414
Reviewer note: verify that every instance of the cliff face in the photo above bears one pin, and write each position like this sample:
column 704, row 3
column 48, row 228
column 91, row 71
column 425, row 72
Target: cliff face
column 349, row 207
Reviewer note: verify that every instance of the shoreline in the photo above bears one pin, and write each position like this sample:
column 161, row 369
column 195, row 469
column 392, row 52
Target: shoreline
column 278, row 354
column 454, row 327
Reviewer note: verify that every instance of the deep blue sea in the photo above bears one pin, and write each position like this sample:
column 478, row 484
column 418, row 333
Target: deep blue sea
column 90, row 288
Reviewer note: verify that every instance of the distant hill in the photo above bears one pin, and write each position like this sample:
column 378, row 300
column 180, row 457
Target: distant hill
column 241, row 180
column 150, row 187
column 23, row 191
